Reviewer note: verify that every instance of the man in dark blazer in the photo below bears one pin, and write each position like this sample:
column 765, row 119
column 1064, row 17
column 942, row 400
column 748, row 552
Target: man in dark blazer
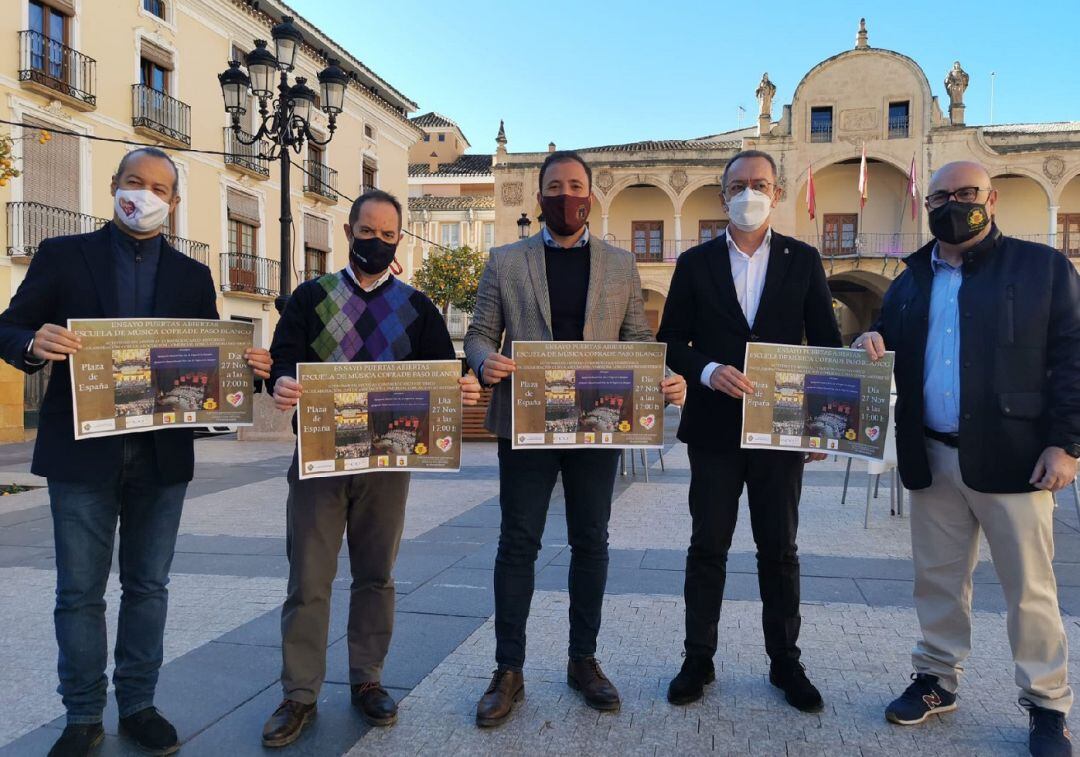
column 750, row 284
column 986, row 331
column 125, row 269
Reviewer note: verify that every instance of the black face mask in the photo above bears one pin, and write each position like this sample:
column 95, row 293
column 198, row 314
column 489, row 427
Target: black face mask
column 957, row 222
column 372, row 255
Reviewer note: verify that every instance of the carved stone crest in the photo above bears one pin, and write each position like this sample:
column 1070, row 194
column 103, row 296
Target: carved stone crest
column 512, row 193
column 605, row 180
column 1054, row 168
column 859, row 119
column 679, row 179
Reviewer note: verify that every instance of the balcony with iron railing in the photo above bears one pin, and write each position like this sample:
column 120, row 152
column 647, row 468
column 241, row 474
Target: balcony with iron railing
column 159, row 116
column 320, row 180
column 53, row 68
column 821, row 132
column 31, row 223
column 898, row 127
column 314, row 264
column 249, row 274
column 247, row 158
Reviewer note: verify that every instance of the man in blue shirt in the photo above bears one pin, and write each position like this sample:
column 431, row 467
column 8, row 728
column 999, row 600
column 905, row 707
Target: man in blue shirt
column 986, row 331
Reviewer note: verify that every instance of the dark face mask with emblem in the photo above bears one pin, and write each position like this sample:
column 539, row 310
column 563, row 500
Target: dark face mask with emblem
column 957, row 222
column 565, row 214
column 372, row 255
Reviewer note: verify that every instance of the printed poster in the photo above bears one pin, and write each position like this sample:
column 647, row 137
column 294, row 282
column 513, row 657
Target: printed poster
column 363, row 417
column 588, row 394
column 817, row 399
column 142, row 374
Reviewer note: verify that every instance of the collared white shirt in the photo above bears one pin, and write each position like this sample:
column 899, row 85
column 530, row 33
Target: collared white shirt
column 748, row 275
column 550, row 242
column 378, row 283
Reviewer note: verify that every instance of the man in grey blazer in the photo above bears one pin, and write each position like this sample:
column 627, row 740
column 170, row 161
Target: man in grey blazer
column 559, row 285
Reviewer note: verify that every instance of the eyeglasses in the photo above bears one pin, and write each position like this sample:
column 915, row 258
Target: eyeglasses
column 758, row 185
column 963, row 194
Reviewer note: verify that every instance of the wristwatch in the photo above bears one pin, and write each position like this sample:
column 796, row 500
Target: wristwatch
column 1072, row 450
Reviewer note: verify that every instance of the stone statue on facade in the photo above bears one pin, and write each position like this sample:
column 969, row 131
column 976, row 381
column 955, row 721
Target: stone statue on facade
column 956, row 83
column 765, row 92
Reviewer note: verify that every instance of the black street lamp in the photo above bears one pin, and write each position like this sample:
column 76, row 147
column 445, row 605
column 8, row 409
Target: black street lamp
column 286, row 119
column 523, row 225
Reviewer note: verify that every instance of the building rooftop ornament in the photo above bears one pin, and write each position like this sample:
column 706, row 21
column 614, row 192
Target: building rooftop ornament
column 861, row 37
column 956, row 83
column 500, row 138
column 765, row 92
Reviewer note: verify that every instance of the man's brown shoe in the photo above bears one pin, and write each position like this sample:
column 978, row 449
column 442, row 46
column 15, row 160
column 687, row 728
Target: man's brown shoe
column 506, row 688
column 376, row 705
column 585, row 676
column 285, row 725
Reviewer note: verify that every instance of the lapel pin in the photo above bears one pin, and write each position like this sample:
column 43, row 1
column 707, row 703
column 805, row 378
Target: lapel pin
column 786, row 251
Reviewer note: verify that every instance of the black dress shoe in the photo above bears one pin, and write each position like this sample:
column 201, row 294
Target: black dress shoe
column 1048, row 736
column 376, row 705
column 791, row 678
column 78, row 740
column 689, row 685
column 507, row 687
column 150, row 731
column 285, row 725
column 585, row 675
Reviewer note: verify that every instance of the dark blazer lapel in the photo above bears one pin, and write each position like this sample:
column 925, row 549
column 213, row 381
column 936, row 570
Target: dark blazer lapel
column 169, row 277
column 534, row 258
column 97, row 251
column 720, row 266
column 779, row 259
column 597, row 260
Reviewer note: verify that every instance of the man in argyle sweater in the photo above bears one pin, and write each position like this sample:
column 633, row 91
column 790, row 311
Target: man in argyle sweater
column 361, row 313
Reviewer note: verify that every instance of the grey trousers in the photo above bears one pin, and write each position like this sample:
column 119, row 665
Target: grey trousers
column 370, row 510
column 945, row 522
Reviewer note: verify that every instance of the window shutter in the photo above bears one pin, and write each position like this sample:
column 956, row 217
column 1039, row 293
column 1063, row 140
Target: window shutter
column 243, row 208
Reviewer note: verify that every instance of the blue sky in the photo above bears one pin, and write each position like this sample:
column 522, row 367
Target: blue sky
column 584, row 73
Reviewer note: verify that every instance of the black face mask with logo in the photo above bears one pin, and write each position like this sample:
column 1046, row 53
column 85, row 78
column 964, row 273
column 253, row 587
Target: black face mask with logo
column 372, row 255
column 957, row 222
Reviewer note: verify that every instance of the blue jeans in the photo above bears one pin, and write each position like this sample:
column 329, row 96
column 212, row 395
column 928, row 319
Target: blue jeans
column 84, row 526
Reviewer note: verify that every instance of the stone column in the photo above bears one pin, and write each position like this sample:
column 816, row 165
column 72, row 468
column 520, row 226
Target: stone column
column 678, row 233
column 603, row 225
column 1052, row 231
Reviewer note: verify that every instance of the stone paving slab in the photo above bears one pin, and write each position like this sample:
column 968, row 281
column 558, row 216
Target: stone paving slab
column 858, row 656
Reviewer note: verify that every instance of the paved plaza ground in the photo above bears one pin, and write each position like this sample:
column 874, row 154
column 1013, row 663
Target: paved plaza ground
column 219, row 682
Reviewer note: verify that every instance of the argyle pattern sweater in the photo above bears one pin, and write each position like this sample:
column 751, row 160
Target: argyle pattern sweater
column 331, row 319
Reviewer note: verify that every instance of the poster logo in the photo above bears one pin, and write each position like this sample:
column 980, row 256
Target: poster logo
column 873, row 432
column 444, row 444
column 647, row 421
column 236, row 399
column 168, row 418
column 402, row 461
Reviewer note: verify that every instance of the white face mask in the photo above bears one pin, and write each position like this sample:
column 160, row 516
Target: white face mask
column 140, row 210
column 749, row 210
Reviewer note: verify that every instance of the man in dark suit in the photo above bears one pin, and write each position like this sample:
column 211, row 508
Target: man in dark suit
column 125, row 269
column 750, row 284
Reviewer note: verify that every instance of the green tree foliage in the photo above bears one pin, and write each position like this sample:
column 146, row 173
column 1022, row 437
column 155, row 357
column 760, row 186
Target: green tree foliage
column 451, row 277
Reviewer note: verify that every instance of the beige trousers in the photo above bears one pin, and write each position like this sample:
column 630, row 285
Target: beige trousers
column 945, row 522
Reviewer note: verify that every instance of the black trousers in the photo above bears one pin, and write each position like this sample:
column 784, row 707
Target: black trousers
column 526, row 481
column 773, row 480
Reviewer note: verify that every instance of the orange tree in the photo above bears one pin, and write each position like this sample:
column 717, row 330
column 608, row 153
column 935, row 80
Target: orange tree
column 451, row 277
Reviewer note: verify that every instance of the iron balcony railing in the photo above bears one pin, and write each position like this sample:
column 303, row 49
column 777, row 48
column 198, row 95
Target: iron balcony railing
column 249, row 157
column 54, row 65
column 320, row 179
column 249, row 273
column 160, row 113
column 197, row 250
column 821, row 132
column 31, row 223
column 898, row 127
